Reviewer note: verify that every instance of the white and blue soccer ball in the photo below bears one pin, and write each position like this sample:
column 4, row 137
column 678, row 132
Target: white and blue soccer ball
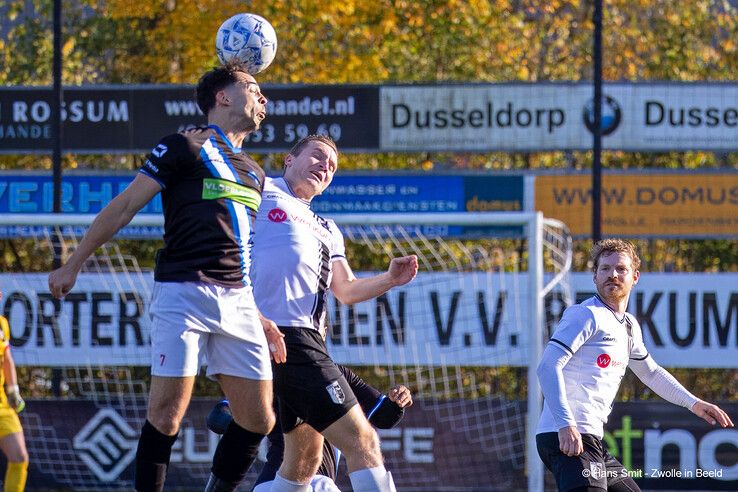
column 249, row 38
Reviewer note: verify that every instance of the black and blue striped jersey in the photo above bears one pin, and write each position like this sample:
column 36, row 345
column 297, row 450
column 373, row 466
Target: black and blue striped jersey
column 211, row 191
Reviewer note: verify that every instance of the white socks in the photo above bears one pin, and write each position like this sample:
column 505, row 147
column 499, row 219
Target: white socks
column 375, row 479
column 264, row 486
column 319, row 483
column 281, row 484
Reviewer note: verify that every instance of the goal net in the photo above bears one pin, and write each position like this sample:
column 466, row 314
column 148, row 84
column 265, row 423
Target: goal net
column 465, row 336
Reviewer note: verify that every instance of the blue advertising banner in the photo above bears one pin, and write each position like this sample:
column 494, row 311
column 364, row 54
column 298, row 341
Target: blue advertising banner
column 389, row 193
column 80, row 194
column 410, row 194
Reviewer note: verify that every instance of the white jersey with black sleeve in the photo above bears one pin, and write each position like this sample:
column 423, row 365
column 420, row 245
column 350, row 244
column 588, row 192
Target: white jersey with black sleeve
column 292, row 255
column 598, row 344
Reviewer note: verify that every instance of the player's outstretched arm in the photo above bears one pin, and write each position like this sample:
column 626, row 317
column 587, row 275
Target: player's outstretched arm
column 349, row 290
column 110, row 220
column 667, row 387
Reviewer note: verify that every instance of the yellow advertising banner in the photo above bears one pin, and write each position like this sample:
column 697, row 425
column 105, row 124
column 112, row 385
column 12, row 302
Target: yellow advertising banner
column 644, row 204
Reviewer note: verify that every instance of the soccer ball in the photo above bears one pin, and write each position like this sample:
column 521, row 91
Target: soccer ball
column 249, row 38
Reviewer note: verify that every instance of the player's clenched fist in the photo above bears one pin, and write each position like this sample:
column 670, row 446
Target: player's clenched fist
column 400, row 395
column 62, row 280
column 570, row 441
column 403, row 269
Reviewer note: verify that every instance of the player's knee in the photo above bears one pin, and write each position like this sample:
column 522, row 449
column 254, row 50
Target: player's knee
column 165, row 422
column 18, row 456
column 267, row 423
column 166, row 415
column 259, row 421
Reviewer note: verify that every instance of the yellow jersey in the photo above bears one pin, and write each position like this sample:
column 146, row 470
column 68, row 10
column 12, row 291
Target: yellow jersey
column 4, row 345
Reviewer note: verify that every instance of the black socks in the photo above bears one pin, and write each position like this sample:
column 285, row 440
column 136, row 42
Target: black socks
column 152, row 459
column 235, row 453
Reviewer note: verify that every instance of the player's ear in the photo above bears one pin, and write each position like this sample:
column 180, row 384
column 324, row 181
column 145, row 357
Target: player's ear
column 222, row 98
column 636, row 276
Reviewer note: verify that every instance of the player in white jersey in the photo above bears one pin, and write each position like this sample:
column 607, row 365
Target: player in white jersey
column 298, row 256
column 294, row 252
column 581, row 370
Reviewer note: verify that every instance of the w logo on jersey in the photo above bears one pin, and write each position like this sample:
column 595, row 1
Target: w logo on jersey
column 277, row 215
column 603, row 360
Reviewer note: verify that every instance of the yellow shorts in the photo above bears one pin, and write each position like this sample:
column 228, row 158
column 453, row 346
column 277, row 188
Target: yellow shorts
column 9, row 422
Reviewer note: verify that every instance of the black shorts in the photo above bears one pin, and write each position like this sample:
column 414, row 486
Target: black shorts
column 309, row 386
column 595, row 467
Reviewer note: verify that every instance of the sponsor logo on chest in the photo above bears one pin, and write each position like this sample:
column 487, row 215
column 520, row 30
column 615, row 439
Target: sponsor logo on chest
column 318, row 226
column 604, row 361
column 216, row 188
column 277, row 215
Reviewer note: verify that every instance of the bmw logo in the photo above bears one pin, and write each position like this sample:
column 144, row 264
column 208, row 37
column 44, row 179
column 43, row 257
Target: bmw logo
column 611, row 115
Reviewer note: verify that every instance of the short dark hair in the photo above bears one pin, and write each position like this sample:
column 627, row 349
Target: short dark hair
column 297, row 148
column 216, row 80
column 608, row 246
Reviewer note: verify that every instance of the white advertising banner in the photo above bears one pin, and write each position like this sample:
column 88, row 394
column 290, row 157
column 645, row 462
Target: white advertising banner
column 476, row 319
column 102, row 321
column 437, row 319
column 558, row 116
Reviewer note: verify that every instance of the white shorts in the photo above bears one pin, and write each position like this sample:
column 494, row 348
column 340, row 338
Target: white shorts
column 196, row 323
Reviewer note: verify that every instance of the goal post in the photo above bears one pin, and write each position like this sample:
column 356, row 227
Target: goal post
column 470, row 324
column 557, row 240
